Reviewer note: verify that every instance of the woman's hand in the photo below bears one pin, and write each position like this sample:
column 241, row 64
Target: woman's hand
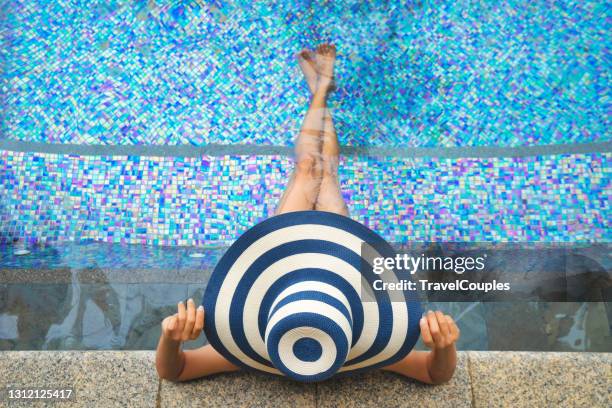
column 175, row 364
column 186, row 324
column 438, row 330
column 439, row 333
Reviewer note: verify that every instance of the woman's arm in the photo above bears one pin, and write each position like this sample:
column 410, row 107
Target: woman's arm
column 439, row 333
column 169, row 358
column 174, row 364
column 203, row 361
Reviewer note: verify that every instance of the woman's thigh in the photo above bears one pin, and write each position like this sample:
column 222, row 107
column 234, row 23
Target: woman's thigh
column 300, row 194
column 330, row 196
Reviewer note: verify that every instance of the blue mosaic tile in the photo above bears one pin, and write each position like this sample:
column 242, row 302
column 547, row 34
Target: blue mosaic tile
column 213, row 199
column 410, row 73
column 465, row 73
column 151, row 72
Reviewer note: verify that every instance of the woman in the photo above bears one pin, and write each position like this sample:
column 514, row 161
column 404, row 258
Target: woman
column 313, row 186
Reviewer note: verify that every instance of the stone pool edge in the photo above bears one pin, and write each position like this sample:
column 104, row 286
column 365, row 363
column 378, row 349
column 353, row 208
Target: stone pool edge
column 216, row 149
column 483, row 378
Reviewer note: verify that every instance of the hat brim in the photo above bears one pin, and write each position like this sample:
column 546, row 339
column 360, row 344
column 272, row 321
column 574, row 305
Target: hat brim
column 305, row 245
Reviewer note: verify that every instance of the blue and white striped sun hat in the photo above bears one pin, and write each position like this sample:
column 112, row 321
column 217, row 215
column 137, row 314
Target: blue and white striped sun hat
column 292, row 297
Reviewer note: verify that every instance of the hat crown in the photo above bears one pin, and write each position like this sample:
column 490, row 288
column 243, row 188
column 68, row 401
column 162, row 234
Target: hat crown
column 309, row 331
column 293, row 296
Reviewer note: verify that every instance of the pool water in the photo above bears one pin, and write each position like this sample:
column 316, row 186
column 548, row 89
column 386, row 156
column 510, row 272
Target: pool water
column 136, row 133
column 112, row 296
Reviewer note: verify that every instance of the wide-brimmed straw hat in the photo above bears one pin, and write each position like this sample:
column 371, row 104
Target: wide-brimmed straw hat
column 294, row 296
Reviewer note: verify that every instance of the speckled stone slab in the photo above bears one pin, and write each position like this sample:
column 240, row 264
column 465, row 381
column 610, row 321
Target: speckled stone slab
column 238, row 390
column 102, row 275
column 528, row 379
column 99, row 378
column 382, row 389
column 482, row 379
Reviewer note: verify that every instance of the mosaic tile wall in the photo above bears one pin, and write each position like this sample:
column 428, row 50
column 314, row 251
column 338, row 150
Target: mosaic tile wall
column 410, row 73
column 211, row 200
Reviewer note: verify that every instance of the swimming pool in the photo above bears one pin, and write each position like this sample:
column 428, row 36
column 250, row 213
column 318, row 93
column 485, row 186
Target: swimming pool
column 136, row 132
column 93, row 295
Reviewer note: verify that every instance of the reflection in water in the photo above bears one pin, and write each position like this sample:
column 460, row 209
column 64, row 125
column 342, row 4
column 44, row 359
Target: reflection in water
column 85, row 305
column 93, row 319
column 88, row 316
column 127, row 316
column 34, row 308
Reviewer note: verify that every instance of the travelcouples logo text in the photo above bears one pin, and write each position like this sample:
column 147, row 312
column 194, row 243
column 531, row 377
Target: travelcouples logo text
column 410, row 264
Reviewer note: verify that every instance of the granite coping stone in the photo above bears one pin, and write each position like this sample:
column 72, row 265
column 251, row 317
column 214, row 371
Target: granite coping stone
column 244, row 389
column 379, row 389
column 483, row 379
column 99, row 378
column 535, row 379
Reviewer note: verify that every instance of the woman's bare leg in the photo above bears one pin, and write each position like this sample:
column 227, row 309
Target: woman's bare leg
column 303, row 188
column 330, row 195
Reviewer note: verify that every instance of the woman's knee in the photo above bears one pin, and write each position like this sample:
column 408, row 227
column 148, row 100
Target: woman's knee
column 330, row 168
column 308, row 165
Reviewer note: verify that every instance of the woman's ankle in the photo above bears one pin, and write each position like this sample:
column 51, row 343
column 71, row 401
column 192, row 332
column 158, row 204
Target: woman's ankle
column 326, row 85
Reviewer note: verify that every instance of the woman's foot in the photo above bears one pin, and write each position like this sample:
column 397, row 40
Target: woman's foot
column 318, row 68
column 326, row 58
column 306, row 59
